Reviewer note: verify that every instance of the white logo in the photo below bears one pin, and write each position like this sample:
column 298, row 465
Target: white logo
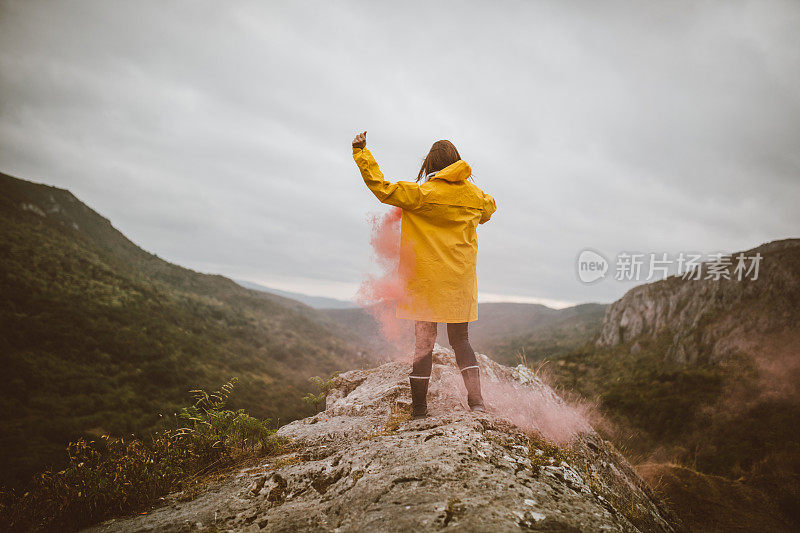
column 591, row 266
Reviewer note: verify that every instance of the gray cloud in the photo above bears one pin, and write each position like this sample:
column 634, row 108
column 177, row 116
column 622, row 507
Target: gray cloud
column 217, row 136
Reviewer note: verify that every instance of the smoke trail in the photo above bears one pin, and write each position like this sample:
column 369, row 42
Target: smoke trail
column 379, row 294
column 538, row 410
column 532, row 407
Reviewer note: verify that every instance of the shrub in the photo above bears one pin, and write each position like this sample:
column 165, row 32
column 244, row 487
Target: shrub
column 324, row 386
column 114, row 477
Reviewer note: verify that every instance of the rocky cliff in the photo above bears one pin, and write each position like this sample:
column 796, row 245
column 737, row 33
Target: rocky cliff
column 707, row 320
column 531, row 463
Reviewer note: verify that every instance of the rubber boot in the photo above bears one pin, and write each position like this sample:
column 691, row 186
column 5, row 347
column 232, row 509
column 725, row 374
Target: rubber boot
column 419, row 396
column 472, row 381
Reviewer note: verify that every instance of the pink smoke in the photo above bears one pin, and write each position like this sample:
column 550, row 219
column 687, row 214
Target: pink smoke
column 532, row 408
column 538, row 410
column 380, row 294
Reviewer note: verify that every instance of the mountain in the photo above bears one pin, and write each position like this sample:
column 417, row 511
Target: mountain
column 698, row 382
column 363, row 465
column 506, row 330
column 705, row 373
column 539, row 332
column 100, row 336
column 709, row 320
column 317, row 302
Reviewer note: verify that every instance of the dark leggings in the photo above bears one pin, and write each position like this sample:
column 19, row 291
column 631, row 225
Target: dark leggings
column 425, row 333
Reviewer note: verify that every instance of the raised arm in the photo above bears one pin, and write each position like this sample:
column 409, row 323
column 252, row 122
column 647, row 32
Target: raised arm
column 403, row 194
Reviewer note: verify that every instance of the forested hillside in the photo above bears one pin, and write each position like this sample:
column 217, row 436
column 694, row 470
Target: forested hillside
column 99, row 336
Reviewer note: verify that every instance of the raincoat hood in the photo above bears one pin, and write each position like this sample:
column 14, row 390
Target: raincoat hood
column 458, row 171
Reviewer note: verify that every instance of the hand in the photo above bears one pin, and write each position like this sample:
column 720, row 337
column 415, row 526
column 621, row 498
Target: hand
column 360, row 141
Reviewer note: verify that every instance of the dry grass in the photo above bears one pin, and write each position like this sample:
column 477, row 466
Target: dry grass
column 397, row 415
column 551, row 454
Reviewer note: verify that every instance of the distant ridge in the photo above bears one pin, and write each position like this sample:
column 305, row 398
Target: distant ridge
column 317, row 302
column 504, row 330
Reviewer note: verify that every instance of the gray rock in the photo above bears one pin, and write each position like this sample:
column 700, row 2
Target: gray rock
column 707, row 320
column 363, row 465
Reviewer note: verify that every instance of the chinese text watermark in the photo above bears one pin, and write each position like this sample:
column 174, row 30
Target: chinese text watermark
column 593, row 266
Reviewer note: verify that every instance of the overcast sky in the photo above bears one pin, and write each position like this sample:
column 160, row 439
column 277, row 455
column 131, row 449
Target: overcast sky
column 217, row 134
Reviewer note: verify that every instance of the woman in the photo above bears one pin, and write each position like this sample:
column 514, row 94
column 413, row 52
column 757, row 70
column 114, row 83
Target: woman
column 438, row 249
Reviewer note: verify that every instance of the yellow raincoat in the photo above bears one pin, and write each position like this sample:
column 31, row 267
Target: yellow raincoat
column 438, row 239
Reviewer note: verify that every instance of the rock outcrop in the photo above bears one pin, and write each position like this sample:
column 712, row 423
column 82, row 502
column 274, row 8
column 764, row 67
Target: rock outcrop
column 363, row 465
column 707, row 320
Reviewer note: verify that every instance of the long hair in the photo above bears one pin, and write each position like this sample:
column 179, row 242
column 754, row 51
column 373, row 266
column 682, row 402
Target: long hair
column 442, row 154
